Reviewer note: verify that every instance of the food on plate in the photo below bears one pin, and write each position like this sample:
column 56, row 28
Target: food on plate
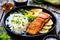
column 49, row 23
column 29, row 13
column 47, row 26
column 44, row 16
column 31, row 21
column 36, row 12
column 17, row 23
column 35, row 26
column 31, row 18
column 38, row 23
column 43, row 31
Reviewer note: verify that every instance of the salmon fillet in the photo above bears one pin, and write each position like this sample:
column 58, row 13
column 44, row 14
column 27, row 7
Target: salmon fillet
column 44, row 15
column 38, row 23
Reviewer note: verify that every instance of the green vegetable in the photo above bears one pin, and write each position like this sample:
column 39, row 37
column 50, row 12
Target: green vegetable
column 1, row 28
column 16, row 21
column 31, row 18
column 21, row 11
column 19, row 27
column 3, row 35
column 37, row 1
column 54, row 2
column 12, row 20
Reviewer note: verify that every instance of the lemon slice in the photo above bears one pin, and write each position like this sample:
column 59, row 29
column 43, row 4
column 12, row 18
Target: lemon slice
column 43, row 31
column 36, row 11
column 49, row 22
column 47, row 27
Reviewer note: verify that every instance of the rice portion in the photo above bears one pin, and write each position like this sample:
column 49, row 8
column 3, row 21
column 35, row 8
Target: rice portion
column 17, row 22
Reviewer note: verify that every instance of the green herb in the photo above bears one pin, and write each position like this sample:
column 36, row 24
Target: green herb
column 22, row 11
column 19, row 27
column 1, row 28
column 38, row 1
column 16, row 21
column 31, row 18
column 12, row 20
column 4, row 36
column 54, row 2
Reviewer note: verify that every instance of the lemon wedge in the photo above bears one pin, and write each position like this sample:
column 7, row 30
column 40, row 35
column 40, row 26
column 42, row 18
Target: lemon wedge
column 43, row 31
column 49, row 22
column 47, row 27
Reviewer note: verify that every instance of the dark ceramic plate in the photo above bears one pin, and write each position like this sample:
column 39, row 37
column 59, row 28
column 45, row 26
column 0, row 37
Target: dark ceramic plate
column 20, row 3
column 51, row 36
column 53, row 18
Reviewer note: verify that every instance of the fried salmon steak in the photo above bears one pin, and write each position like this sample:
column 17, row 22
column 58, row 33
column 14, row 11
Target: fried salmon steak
column 38, row 23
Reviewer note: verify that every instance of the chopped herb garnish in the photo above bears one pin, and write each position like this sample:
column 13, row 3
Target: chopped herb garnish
column 31, row 18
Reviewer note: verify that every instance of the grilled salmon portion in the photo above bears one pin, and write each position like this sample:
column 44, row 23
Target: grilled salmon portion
column 38, row 23
column 44, row 16
column 35, row 26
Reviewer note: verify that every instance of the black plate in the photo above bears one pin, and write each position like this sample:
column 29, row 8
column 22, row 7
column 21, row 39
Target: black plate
column 51, row 36
column 53, row 18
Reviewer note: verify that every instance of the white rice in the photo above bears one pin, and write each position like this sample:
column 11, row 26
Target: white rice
column 19, row 27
